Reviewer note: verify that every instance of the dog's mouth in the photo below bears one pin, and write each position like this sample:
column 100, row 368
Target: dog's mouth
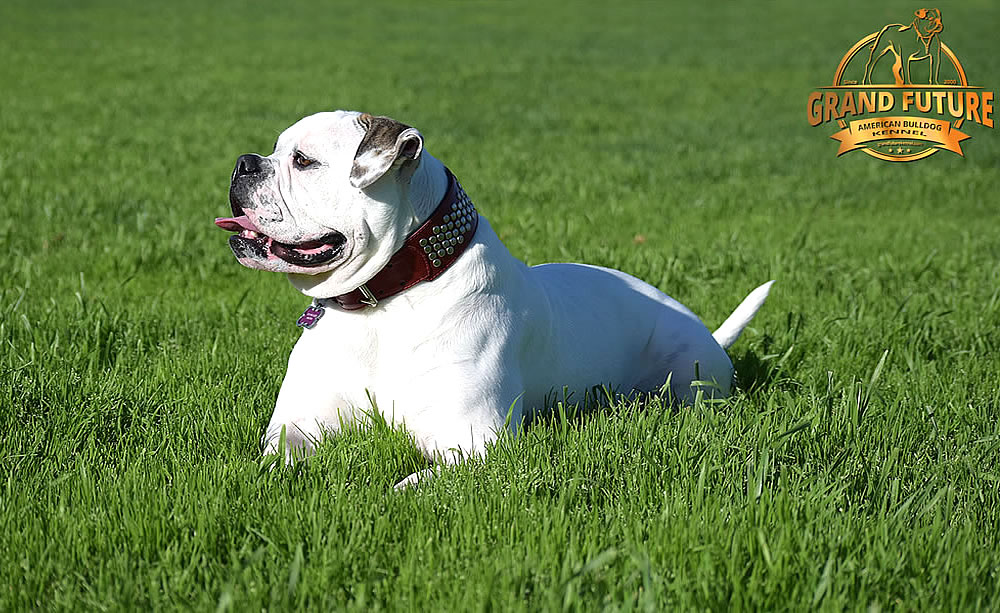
column 249, row 243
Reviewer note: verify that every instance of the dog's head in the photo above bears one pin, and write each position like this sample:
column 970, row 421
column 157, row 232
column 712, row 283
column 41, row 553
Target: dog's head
column 928, row 22
column 330, row 205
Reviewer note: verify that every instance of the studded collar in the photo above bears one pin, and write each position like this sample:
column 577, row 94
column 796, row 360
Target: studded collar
column 425, row 255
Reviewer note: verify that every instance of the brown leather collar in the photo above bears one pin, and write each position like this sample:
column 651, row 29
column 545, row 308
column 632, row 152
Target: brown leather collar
column 426, row 254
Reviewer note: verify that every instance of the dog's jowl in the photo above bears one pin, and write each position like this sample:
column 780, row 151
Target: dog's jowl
column 420, row 309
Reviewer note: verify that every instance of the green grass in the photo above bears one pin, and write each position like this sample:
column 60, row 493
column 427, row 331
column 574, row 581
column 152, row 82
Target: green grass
column 139, row 362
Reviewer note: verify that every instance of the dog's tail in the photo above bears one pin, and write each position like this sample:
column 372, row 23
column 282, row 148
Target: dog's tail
column 730, row 329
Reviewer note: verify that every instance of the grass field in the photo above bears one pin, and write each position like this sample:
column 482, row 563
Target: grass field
column 139, row 362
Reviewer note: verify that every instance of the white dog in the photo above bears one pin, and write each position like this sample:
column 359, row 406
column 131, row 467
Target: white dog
column 419, row 309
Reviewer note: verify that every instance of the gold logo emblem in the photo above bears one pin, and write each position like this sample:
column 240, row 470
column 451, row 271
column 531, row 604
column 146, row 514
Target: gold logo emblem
column 900, row 94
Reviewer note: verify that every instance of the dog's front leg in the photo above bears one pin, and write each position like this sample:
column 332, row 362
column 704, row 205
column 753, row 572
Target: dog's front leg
column 475, row 448
column 463, row 428
column 441, row 460
column 418, row 477
column 310, row 404
column 295, row 434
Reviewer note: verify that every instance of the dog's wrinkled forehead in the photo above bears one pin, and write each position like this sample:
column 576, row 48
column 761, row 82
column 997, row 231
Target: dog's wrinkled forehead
column 329, row 132
column 365, row 147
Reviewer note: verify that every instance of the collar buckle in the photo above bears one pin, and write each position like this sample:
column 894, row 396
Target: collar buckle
column 368, row 297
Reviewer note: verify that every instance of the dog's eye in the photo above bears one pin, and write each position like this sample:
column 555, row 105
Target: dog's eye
column 302, row 161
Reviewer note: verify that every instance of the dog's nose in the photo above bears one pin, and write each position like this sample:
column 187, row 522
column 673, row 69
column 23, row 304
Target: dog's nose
column 248, row 164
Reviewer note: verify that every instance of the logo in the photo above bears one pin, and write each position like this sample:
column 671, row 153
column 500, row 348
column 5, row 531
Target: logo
column 900, row 94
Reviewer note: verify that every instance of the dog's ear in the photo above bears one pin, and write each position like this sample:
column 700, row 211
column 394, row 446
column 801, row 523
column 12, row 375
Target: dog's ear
column 920, row 13
column 386, row 142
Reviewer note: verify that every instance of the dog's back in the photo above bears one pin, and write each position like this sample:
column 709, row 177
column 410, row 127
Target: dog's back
column 609, row 328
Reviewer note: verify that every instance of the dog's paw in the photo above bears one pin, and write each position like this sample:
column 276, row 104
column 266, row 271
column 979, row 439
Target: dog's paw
column 416, row 478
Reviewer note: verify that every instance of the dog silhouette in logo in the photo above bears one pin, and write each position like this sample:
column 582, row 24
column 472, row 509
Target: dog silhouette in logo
column 915, row 42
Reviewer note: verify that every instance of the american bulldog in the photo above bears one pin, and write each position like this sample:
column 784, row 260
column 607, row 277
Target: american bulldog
column 919, row 40
column 420, row 312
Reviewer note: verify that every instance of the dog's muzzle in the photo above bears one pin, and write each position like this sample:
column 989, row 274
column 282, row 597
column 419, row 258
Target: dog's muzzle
column 251, row 243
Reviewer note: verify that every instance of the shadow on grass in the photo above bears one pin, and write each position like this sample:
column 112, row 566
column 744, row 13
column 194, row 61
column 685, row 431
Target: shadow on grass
column 755, row 375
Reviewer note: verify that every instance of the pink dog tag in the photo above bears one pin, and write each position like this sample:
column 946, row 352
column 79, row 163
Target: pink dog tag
column 310, row 316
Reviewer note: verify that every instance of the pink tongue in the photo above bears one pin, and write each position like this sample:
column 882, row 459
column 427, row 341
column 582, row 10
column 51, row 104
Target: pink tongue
column 236, row 224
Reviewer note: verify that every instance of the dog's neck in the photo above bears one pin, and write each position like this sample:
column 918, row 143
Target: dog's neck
column 426, row 253
column 427, row 187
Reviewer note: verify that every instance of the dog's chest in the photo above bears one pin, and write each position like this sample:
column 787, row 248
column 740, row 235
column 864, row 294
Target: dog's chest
column 377, row 355
column 336, row 353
